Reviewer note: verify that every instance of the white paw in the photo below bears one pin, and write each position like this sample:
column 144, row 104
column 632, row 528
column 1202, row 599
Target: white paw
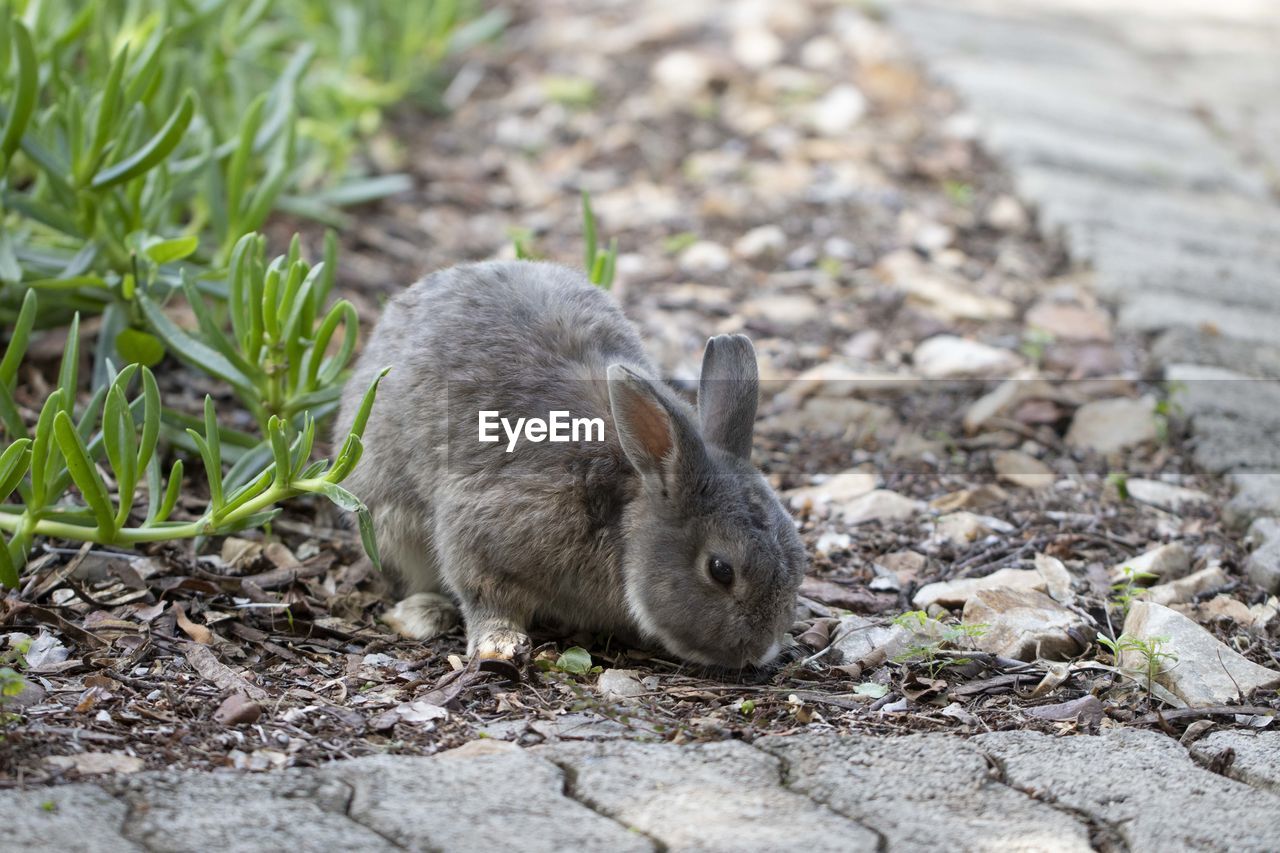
column 422, row 616
column 501, row 644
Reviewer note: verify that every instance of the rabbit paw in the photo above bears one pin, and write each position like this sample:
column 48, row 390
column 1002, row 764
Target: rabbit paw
column 502, row 644
column 422, row 616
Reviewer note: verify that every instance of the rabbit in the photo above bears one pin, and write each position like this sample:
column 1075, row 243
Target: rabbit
column 662, row 532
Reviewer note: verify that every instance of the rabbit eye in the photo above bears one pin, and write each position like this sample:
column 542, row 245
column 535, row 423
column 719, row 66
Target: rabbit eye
column 720, row 571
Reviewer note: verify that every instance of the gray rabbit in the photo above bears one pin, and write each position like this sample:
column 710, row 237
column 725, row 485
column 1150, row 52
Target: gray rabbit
column 658, row 530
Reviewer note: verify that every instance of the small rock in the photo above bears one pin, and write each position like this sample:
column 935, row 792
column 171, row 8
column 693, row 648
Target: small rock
column 1257, row 495
column 838, row 111
column 1057, row 580
column 981, row 497
column 757, row 48
column 783, row 310
column 619, row 684
column 865, row 346
column 1006, row 213
column 763, row 242
column 1022, row 469
column 867, row 644
column 1003, row 399
column 683, row 74
column 1070, row 322
column 955, row 593
column 1109, row 426
column 1206, row 671
column 1164, row 495
column 932, row 237
column 1263, row 565
column 97, row 763
column 237, row 710
column 881, row 505
column 821, row 53
column 951, row 357
column 705, row 258
column 1023, row 624
column 905, row 565
column 839, row 489
column 1226, row 607
column 959, row 528
column 1187, row 588
column 1168, row 562
column 830, row 541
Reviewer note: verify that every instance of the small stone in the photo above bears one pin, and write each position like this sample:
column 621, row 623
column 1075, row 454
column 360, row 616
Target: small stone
column 683, row 73
column 1257, row 494
column 839, row 489
column 865, row 643
column 1109, row 426
column 1226, row 607
column 1022, row 469
column 1070, row 322
column 830, row 541
column 932, row 237
column 1263, row 565
column 1187, row 588
column 959, row 528
column 757, row 48
column 1168, row 562
column 951, row 357
column 865, row 346
column 237, row 710
column 821, row 53
column 838, row 111
column 1206, row 671
column 905, row 565
column 881, row 505
column 782, row 309
column 1006, row 213
column 97, row 763
column 1164, row 495
column 619, row 684
column 1057, row 580
column 1023, row 624
column 765, row 241
column 1002, row 400
column 705, row 258
column 955, row 593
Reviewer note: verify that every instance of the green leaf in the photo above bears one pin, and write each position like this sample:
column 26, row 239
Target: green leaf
column 280, row 450
column 139, row 347
column 368, row 538
column 157, row 148
column 575, row 660
column 108, row 112
column 170, row 493
column 324, row 371
column 150, row 419
column 85, row 475
column 67, row 371
column 26, row 80
column 8, row 569
column 121, row 440
column 341, row 497
column 10, row 269
column 588, row 231
column 175, row 249
column 13, row 465
column 189, row 349
column 366, row 404
column 17, row 347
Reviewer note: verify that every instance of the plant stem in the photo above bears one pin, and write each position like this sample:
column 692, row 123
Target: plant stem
column 203, row 526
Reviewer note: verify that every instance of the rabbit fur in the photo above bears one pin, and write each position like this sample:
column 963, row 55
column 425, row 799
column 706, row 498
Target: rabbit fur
column 611, row 536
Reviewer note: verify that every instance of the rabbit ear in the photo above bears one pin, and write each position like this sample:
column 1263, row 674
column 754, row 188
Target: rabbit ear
column 646, row 427
column 728, row 393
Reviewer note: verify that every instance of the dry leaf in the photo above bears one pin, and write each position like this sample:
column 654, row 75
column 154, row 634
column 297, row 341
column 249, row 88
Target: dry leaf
column 199, row 633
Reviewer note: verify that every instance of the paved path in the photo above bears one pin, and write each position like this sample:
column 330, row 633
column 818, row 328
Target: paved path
column 1145, row 133
column 1122, row 790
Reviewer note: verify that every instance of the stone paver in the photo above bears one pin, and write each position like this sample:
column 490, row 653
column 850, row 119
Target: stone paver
column 72, row 818
column 1141, row 788
column 1256, row 759
column 717, row 796
column 918, row 789
column 1012, row 791
column 469, row 800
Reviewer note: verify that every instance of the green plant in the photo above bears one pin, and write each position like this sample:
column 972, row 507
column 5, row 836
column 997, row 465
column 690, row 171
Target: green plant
column 931, row 636
column 11, row 683
column 1129, row 587
column 1119, row 480
column 1035, row 343
column 1153, row 660
column 574, row 660
column 600, row 263
column 149, row 134
column 70, row 444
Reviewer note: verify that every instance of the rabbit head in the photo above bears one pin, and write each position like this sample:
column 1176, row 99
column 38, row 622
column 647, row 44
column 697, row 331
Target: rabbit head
column 712, row 560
